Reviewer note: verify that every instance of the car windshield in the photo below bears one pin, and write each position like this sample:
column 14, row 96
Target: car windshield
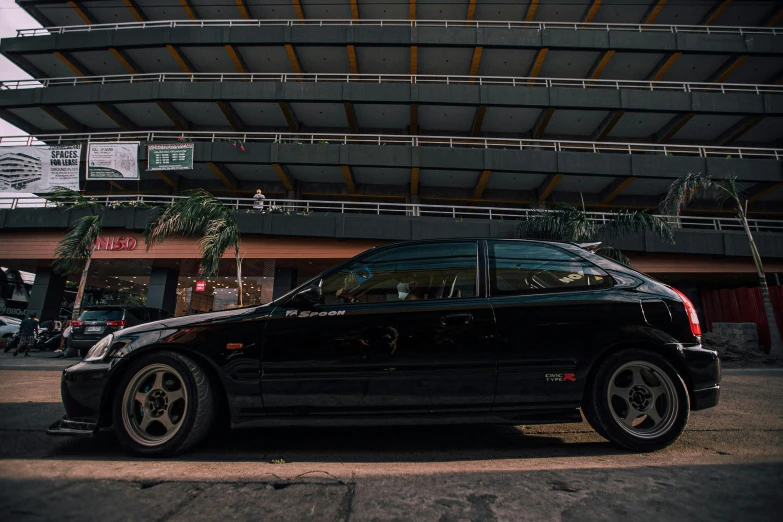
column 108, row 314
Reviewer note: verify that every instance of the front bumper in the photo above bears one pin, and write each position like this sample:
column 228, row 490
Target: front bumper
column 82, row 390
column 705, row 375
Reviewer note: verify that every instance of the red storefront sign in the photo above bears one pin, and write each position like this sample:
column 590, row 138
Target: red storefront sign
column 115, row 243
column 201, row 286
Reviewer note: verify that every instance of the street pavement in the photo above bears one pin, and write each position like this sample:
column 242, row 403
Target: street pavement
column 728, row 465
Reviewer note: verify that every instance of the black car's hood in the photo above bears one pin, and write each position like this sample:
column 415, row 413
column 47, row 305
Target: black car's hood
column 198, row 319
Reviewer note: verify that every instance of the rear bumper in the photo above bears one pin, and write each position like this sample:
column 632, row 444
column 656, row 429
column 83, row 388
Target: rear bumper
column 69, row 427
column 705, row 374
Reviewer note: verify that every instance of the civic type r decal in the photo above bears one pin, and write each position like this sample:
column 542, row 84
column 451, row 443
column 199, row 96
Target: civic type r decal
column 305, row 313
column 560, row 377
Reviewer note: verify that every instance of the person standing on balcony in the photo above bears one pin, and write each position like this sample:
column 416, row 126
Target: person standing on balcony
column 259, row 198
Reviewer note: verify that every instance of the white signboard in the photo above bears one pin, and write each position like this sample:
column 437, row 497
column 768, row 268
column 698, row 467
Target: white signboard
column 116, row 160
column 39, row 169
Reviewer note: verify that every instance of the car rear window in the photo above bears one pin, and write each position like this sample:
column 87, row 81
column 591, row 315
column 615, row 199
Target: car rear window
column 102, row 315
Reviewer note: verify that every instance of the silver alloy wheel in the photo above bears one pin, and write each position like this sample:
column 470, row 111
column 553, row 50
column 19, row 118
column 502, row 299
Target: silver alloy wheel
column 154, row 405
column 643, row 399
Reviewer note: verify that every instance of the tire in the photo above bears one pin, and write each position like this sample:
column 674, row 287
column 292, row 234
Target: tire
column 164, row 405
column 638, row 400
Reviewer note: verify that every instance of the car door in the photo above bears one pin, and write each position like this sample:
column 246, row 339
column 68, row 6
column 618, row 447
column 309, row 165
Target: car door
column 405, row 328
column 548, row 303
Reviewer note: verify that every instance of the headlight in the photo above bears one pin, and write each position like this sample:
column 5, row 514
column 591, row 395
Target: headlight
column 98, row 351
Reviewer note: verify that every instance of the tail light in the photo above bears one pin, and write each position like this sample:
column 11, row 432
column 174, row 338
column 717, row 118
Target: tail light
column 76, row 324
column 116, row 324
column 693, row 317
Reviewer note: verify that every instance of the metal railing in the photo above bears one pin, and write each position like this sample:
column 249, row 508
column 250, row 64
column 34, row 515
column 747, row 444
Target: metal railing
column 514, row 81
column 291, row 138
column 540, row 26
column 306, row 207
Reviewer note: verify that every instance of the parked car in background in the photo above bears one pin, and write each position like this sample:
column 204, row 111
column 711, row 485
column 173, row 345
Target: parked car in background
column 8, row 326
column 96, row 322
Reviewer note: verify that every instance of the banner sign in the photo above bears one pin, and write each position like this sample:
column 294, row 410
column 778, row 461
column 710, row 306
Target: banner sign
column 115, row 243
column 39, row 169
column 115, row 160
column 201, row 286
column 170, row 157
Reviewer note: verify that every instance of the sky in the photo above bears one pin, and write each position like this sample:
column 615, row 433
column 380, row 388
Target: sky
column 12, row 17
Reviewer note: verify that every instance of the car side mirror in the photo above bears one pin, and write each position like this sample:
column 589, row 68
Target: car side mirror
column 309, row 296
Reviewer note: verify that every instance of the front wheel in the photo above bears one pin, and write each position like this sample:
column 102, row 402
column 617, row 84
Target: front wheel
column 164, row 405
column 638, row 400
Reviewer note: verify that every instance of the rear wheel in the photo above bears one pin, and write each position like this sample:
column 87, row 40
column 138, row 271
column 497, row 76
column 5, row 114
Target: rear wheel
column 638, row 400
column 163, row 406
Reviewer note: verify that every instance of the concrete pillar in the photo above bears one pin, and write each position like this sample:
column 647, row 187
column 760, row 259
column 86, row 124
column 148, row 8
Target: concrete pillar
column 46, row 296
column 285, row 281
column 162, row 290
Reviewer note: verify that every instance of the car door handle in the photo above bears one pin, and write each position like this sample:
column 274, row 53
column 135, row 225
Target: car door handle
column 456, row 319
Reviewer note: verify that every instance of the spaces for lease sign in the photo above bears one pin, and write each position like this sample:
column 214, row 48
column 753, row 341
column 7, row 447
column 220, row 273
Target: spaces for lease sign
column 177, row 156
column 116, row 160
column 38, row 169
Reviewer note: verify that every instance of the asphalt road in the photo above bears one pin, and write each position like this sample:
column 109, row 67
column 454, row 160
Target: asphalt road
column 727, row 466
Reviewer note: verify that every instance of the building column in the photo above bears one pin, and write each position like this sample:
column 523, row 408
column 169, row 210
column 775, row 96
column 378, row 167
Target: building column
column 162, row 290
column 285, row 281
column 46, row 296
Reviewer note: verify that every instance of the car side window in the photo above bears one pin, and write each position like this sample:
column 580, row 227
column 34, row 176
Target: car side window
column 526, row 268
column 406, row 273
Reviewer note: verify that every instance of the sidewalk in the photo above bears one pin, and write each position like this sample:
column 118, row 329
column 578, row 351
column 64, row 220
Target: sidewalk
column 38, row 360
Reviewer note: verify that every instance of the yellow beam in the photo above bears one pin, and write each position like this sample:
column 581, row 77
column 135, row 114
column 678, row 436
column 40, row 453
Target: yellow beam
column 715, row 14
column 602, row 65
column 244, row 12
column 775, row 18
column 233, row 118
column 224, row 176
column 730, row 68
column 414, row 59
column 71, row 65
column 123, row 60
column 288, row 114
column 610, row 124
column 476, row 61
column 531, row 11
column 592, row 11
column 350, row 115
column 543, row 121
column 739, row 130
column 471, row 10
column 352, row 63
column 292, row 58
column 539, row 62
column 355, row 9
column 235, row 58
column 548, row 187
column 616, row 190
column 284, row 176
column 135, row 10
column 481, row 184
column 764, row 192
column 655, row 11
column 676, row 126
column 298, row 9
column 189, row 10
column 80, row 11
column 478, row 120
column 172, row 113
column 166, row 179
column 411, row 9
column 178, row 58
column 348, row 177
column 665, row 66
column 414, row 181
column 116, row 185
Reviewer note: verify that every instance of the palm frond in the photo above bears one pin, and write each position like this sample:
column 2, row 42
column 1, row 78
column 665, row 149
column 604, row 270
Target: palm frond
column 70, row 197
column 11, row 279
column 187, row 217
column 689, row 187
column 614, row 255
column 75, row 248
column 626, row 222
column 220, row 235
column 564, row 223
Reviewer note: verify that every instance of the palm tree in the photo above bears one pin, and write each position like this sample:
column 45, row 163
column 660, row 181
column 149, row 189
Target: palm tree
column 73, row 253
column 200, row 215
column 569, row 223
column 692, row 186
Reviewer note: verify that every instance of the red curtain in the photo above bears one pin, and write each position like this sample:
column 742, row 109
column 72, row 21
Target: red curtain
column 740, row 305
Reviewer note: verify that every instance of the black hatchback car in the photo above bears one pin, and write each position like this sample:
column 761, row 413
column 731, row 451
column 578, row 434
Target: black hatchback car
column 446, row 331
column 96, row 322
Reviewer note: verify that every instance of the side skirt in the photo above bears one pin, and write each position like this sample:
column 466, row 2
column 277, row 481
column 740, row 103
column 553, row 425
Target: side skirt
column 571, row 415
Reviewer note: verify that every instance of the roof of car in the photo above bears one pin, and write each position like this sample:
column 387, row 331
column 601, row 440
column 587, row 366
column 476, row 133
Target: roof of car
column 120, row 307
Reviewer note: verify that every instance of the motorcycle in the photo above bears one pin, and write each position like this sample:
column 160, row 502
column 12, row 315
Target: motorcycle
column 48, row 338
